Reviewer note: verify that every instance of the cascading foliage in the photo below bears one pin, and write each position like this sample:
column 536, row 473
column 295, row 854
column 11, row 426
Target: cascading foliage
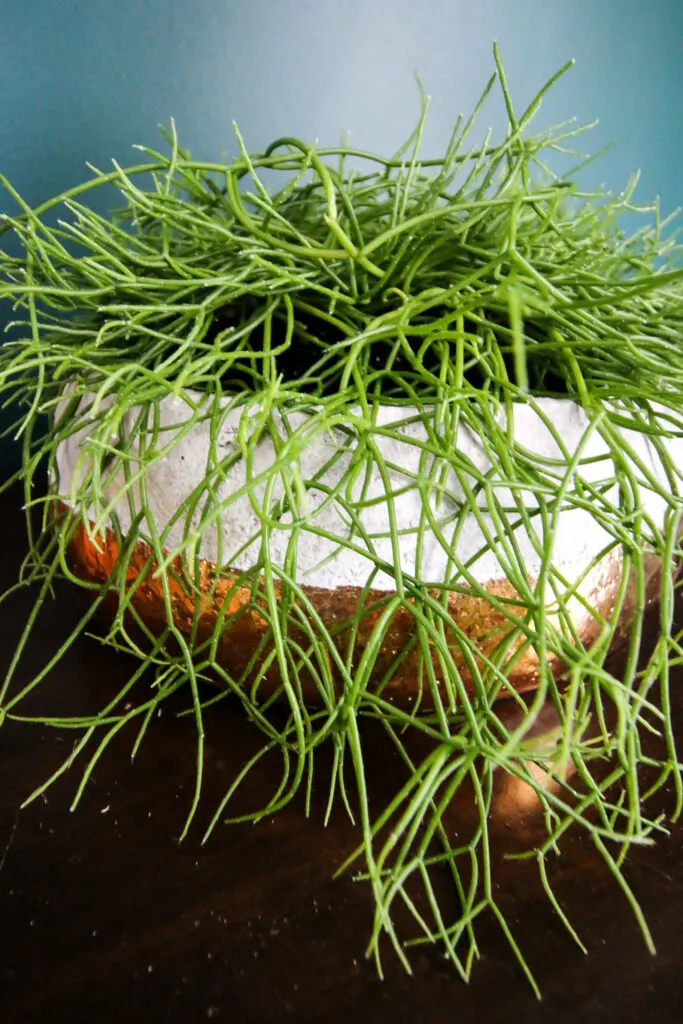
column 455, row 287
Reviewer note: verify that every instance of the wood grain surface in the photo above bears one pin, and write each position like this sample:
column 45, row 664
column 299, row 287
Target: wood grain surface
column 104, row 916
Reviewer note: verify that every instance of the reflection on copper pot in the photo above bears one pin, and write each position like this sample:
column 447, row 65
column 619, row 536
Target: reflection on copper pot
column 222, row 601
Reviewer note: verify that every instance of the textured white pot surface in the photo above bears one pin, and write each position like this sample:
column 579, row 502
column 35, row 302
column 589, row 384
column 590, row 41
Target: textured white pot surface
column 236, row 539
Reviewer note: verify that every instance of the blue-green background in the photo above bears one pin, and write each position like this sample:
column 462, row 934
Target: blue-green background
column 85, row 79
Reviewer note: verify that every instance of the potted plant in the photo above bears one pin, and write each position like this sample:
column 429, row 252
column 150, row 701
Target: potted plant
column 389, row 439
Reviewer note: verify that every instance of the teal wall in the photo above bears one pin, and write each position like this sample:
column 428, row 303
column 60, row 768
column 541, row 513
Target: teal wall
column 84, row 79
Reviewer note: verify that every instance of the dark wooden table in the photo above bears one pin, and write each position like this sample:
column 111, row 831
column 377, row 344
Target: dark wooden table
column 104, row 916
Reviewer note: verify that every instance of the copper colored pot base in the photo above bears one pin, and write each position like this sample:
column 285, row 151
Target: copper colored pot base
column 222, row 606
